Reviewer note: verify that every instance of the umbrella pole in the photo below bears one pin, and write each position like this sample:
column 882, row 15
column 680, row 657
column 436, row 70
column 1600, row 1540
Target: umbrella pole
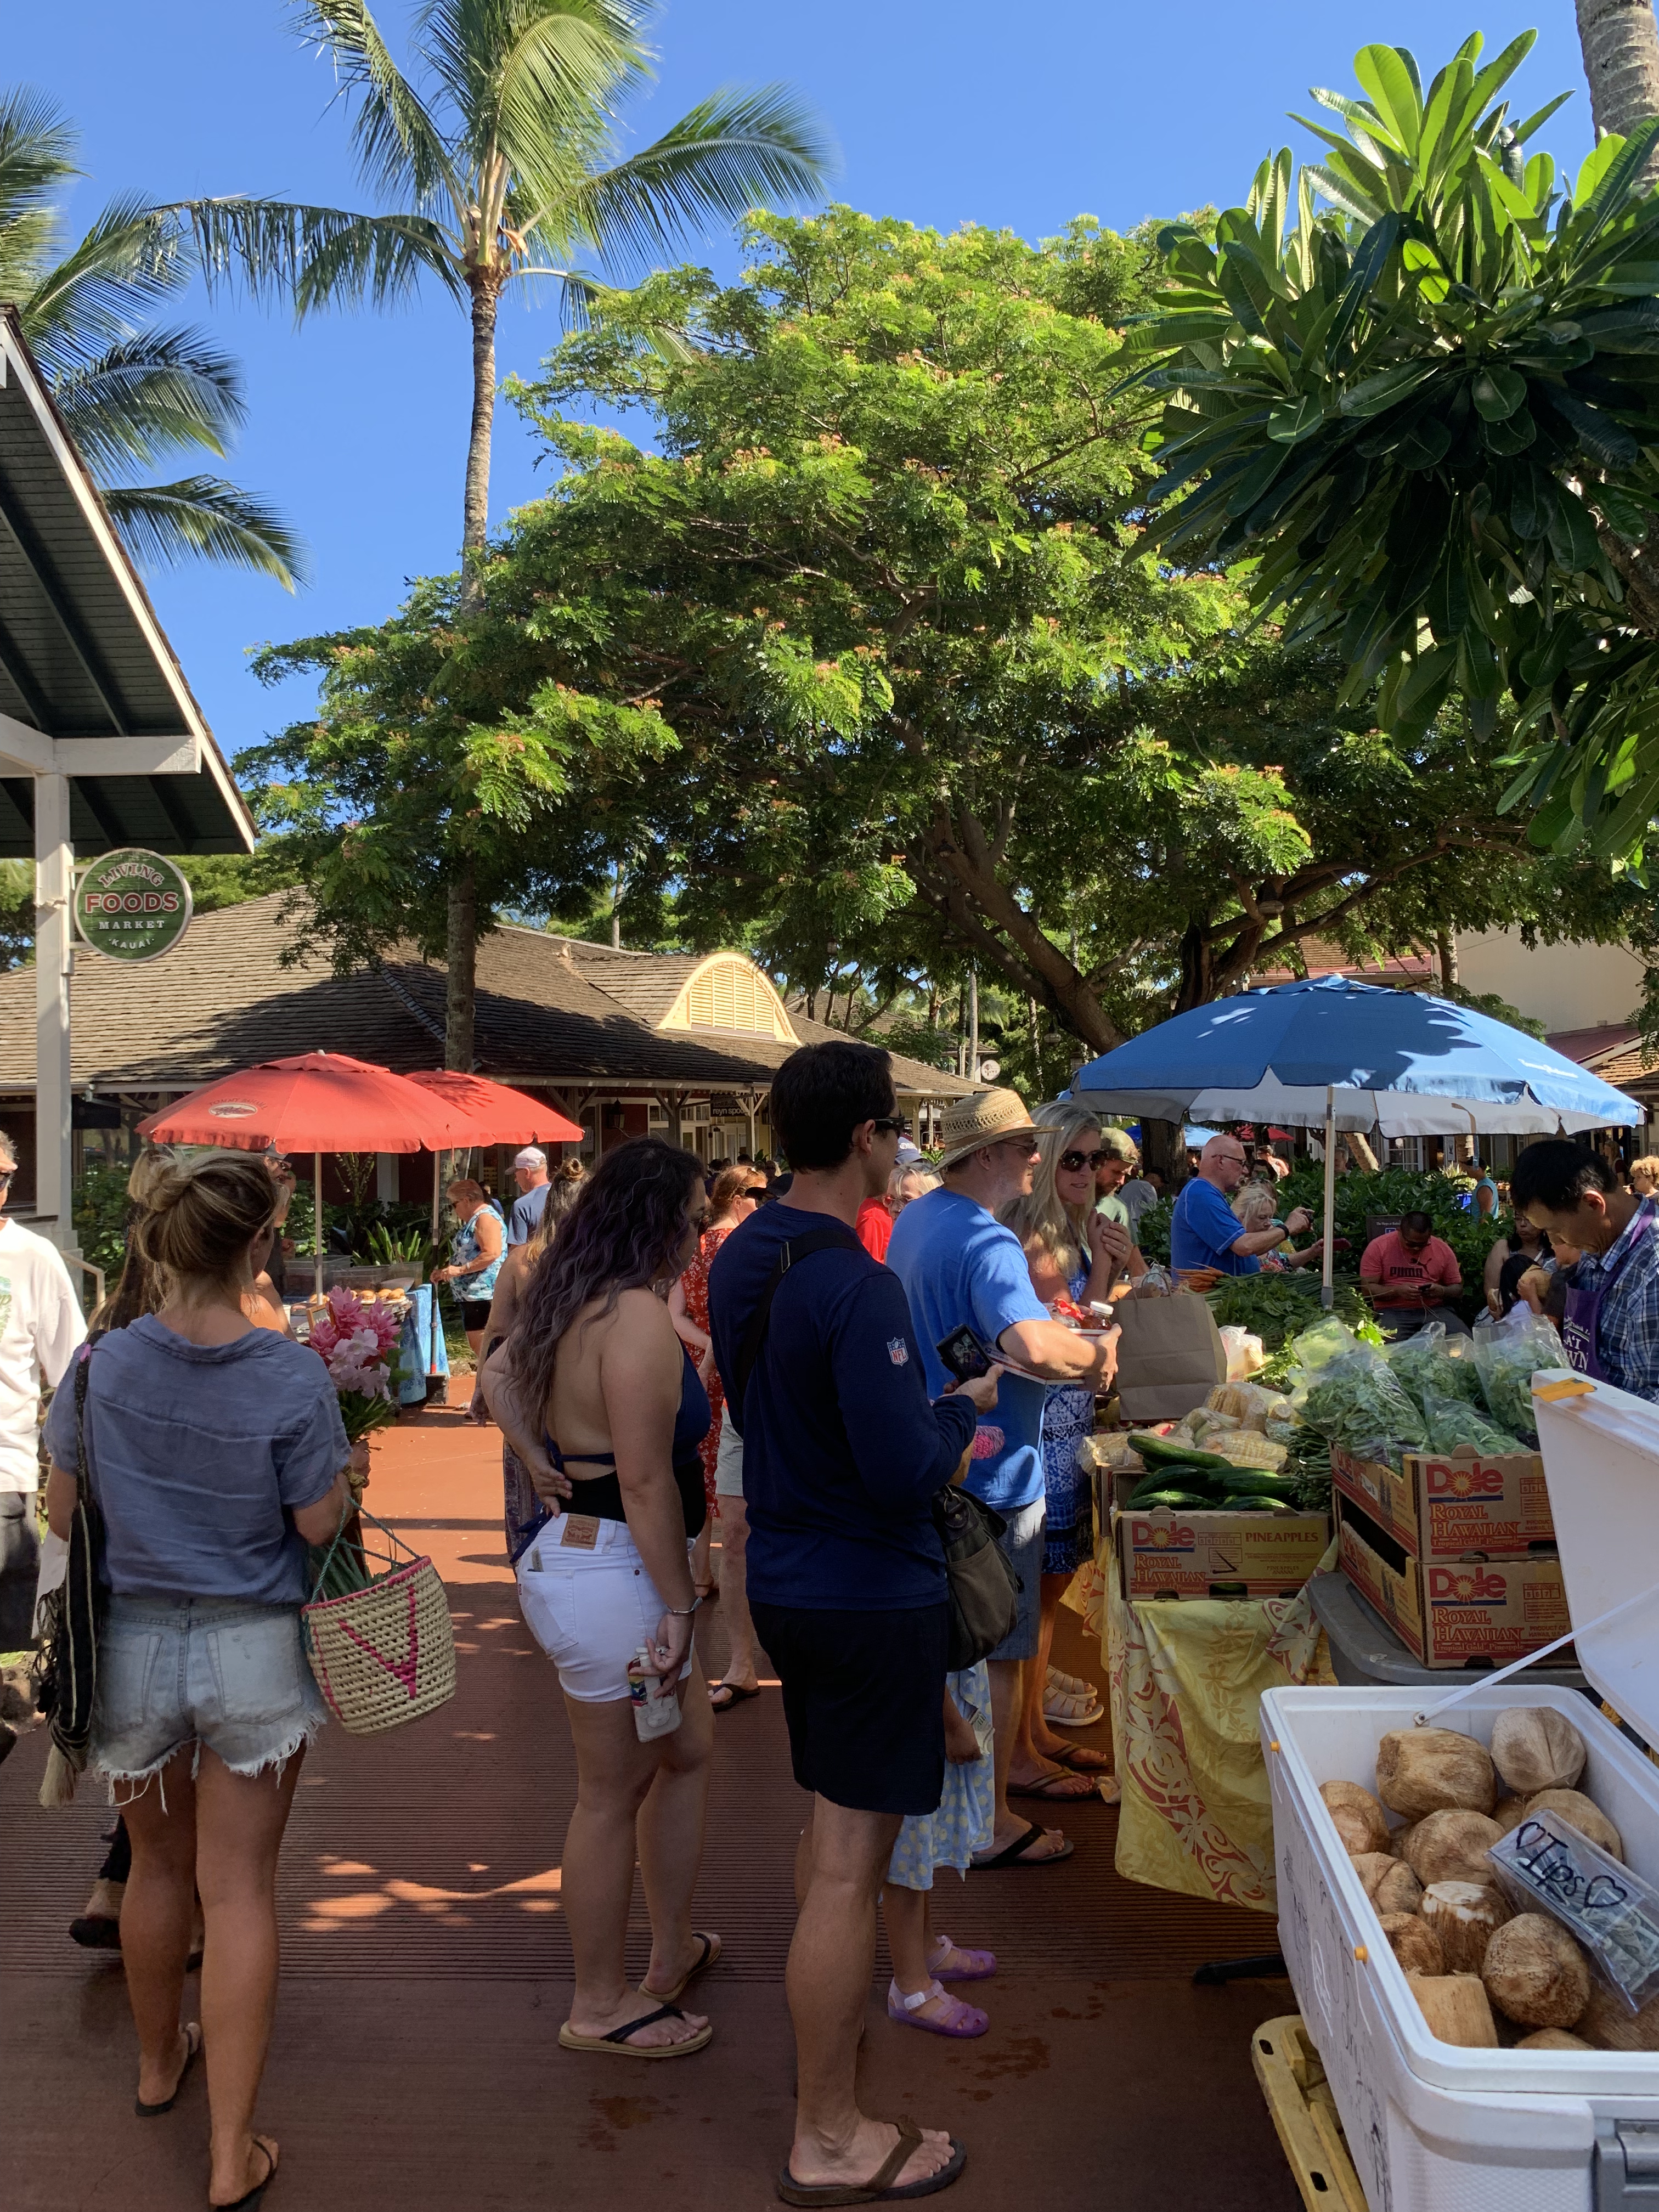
column 1326, row 1294
column 317, row 1206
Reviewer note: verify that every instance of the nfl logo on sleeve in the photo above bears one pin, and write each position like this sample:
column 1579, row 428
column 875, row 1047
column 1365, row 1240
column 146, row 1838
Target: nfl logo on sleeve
column 898, row 1352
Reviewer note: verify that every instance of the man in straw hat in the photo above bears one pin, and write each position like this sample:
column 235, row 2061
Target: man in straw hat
column 961, row 1268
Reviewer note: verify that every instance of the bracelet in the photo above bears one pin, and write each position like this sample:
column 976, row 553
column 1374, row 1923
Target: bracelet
column 683, row 1612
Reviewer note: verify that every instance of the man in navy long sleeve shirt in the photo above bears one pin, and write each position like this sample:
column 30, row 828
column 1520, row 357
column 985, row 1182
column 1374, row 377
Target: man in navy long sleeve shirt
column 842, row 1453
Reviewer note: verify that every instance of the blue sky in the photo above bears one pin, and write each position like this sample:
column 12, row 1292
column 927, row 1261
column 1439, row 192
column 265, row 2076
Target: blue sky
column 944, row 111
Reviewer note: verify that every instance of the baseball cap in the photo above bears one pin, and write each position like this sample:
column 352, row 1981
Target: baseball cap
column 533, row 1156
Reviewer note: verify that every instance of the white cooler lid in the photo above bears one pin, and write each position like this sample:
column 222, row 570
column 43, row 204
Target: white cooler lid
column 1600, row 1451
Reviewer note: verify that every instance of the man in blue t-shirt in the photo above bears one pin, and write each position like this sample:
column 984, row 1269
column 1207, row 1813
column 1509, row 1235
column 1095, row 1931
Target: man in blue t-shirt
column 530, row 1173
column 842, row 1455
column 960, row 1268
column 1206, row 1233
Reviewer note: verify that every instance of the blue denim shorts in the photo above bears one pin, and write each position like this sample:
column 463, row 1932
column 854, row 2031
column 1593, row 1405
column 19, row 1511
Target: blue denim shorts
column 213, row 1671
column 1022, row 1546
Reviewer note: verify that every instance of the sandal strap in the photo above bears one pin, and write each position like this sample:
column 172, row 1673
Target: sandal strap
column 645, row 2019
column 909, row 2139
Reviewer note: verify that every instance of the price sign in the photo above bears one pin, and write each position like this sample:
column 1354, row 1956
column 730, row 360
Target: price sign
column 131, row 905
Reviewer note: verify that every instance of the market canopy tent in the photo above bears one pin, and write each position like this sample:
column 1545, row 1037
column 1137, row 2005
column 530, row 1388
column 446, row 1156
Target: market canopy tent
column 1339, row 1055
column 498, row 1113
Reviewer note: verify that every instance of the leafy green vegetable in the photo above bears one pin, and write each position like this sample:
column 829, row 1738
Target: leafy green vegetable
column 1348, row 1392
column 1275, row 1306
column 1457, row 1425
column 1506, row 1357
column 1431, row 1365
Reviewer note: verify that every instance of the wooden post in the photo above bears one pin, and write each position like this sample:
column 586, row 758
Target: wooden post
column 54, row 888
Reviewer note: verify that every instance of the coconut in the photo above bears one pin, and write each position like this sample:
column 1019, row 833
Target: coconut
column 1399, row 1840
column 1508, row 1813
column 1399, row 1891
column 1572, row 1806
column 1610, row 2025
column 1452, row 1846
column 1457, row 2010
column 1360, row 1822
column 1421, row 1771
column 1535, row 1973
column 1534, row 1747
column 1413, row 1942
column 1464, row 1915
column 1553, row 2038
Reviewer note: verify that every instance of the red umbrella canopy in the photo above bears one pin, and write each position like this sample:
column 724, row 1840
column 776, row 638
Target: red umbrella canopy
column 496, row 1113
column 318, row 1102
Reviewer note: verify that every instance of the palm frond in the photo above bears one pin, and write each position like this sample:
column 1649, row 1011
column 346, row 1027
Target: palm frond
column 38, row 146
column 132, row 256
column 318, row 257
column 531, row 66
column 150, row 395
column 203, row 518
column 733, row 151
column 400, row 148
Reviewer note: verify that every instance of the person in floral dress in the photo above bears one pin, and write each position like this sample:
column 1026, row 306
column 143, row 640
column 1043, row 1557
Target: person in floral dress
column 737, row 1191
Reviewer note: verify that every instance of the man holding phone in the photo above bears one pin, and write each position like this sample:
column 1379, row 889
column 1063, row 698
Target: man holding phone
column 962, row 1269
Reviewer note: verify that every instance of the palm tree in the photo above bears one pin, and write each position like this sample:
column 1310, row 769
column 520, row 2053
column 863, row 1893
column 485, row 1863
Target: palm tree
column 1620, row 46
column 505, row 171
column 130, row 392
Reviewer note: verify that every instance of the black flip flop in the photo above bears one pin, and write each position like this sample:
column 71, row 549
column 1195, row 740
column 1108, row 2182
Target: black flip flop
column 252, row 2197
column 1009, row 1856
column 740, row 1692
column 878, row 2188
column 193, row 2051
column 96, row 1931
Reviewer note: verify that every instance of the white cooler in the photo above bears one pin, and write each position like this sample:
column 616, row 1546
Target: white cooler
column 1432, row 2127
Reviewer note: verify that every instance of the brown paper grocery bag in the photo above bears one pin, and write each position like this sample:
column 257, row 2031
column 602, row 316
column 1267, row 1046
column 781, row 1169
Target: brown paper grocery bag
column 1170, row 1358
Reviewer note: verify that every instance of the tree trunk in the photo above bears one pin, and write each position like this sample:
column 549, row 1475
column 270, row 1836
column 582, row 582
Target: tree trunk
column 1197, row 982
column 475, row 517
column 1161, row 1148
column 1620, row 46
column 461, row 952
column 1446, row 944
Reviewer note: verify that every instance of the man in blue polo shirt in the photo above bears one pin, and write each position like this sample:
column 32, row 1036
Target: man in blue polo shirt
column 1206, row 1233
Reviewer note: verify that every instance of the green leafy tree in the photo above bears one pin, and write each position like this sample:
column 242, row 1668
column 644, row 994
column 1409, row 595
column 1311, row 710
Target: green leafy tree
column 130, row 392
column 1423, row 414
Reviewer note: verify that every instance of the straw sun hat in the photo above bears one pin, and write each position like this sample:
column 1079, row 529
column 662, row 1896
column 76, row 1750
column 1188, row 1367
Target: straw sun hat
column 985, row 1118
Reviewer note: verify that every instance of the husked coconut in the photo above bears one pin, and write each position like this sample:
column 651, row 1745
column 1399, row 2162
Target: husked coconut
column 1457, row 2010
column 1535, row 1973
column 1400, row 1838
column 1534, row 1747
column 1508, row 1813
column 1360, row 1821
column 1610, row 2025
column 1399, row 1891
column 1584, row 1814
column 1463, row 1915
column 1370, row 1866
column 1452, row 1846
column 1553, row 2038
column 1413, row 1942
column 1421, row 1771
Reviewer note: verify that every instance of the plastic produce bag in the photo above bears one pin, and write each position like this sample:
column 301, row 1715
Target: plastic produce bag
column 1156, row 1283
column 1432, row 1363
column 1346, row 1390
column 1546, row 1865
column 1455, row 1426
column 1245, row 1355
column 1507, row 1355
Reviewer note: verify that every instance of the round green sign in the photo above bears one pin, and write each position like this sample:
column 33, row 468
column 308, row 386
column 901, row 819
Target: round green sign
column 131, row 905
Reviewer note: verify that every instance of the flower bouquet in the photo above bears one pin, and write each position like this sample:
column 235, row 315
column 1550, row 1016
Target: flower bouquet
column 358, row 1345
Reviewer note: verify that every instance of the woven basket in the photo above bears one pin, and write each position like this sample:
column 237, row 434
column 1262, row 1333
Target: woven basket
column 384, row 1655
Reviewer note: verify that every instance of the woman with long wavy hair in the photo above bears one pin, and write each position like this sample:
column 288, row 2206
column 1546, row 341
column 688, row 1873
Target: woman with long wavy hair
column 603, row 1404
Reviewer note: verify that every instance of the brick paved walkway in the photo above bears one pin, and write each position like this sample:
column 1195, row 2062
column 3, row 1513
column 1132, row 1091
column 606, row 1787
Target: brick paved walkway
column 426, row 1969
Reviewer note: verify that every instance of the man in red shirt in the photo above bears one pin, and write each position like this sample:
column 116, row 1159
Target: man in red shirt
column 1411, row 1276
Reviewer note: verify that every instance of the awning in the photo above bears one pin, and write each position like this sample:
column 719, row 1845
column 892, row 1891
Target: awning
column 88, row 685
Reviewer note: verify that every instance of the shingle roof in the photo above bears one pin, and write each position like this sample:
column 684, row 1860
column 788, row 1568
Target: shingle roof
column 647, row 983
column 223, row 999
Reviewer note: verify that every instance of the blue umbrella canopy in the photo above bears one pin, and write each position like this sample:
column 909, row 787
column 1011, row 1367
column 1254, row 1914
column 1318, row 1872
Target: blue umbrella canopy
column 1398, row 1061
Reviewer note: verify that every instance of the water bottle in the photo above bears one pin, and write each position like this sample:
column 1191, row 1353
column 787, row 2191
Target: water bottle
column 656, row 1705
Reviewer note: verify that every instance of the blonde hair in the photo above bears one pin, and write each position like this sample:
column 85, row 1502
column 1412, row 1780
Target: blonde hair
column 924, row 1175
column 1648, row 1166
column 1255, row 1203
column 202, row 1216
column 1043, row 1217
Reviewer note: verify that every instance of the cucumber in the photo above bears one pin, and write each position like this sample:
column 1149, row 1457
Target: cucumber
column 1194, row 1479
column 1263, row 1505
column 1178, row 1501
column 1166, row 1452
column 1256, row 1482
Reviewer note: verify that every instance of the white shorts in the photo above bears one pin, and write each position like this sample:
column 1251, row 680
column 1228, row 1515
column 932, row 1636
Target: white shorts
column 590, row 1605
column 728, row 1461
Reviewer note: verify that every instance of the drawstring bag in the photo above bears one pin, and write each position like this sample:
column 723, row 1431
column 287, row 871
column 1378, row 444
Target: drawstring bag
column 379, row 1644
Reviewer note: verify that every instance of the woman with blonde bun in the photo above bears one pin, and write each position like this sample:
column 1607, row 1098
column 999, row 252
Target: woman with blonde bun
column 213, row 1451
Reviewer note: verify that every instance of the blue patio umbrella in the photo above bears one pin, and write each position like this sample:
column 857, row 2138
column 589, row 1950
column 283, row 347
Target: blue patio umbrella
column 1350, row 1055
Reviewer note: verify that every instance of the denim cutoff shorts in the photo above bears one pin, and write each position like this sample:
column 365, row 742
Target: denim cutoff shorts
column 214, row 1671
column 1021, row 1545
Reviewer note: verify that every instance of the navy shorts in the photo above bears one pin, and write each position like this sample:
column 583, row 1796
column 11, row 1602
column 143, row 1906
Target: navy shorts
column 864, row 1698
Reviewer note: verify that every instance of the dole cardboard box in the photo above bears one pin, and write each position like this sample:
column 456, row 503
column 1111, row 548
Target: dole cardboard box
column 1442, row 1504
column 1448, row 1612
column 1162, row 1553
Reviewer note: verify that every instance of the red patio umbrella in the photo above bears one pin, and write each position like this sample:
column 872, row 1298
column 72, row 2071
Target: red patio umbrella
column 315, row 1103
column 497, row 1114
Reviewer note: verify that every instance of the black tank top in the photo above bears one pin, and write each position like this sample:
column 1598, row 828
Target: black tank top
column 600, row 1495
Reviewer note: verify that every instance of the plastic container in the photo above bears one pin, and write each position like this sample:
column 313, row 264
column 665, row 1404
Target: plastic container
column 1431, row 2127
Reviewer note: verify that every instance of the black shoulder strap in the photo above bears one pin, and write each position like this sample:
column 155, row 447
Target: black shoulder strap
column 799, row 1247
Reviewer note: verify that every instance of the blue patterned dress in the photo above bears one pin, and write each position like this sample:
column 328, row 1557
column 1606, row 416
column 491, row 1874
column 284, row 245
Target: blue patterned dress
column 962, row 1822
column 1068, row 1415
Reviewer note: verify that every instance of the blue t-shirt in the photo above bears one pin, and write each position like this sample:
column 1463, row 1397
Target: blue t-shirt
column 842, row 1452
column 1203, row 1230
column 959, row 1265
column 200, row 1455
column 527, row 1211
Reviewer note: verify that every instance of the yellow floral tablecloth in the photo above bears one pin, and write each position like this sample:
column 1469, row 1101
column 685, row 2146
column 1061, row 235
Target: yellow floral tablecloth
column 1186, row 1680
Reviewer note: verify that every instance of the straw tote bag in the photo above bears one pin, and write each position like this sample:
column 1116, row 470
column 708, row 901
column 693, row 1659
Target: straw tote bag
column 382, row 1653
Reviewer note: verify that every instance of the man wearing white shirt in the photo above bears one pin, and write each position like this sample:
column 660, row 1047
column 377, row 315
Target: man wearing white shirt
column 40, row 1327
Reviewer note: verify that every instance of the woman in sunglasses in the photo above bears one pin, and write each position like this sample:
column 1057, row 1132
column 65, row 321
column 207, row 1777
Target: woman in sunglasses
column 1077, row 1254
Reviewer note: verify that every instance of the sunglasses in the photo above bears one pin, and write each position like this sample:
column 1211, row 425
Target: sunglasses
column 1071, row 1161
column 756, row 1190
column 899, row 1123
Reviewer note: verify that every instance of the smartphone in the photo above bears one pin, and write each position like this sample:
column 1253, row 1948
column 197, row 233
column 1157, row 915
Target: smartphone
column 964, row 1356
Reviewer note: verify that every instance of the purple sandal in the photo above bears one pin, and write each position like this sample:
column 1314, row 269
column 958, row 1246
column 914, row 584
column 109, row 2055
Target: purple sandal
column 979, row 1965
column 962, row 2020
